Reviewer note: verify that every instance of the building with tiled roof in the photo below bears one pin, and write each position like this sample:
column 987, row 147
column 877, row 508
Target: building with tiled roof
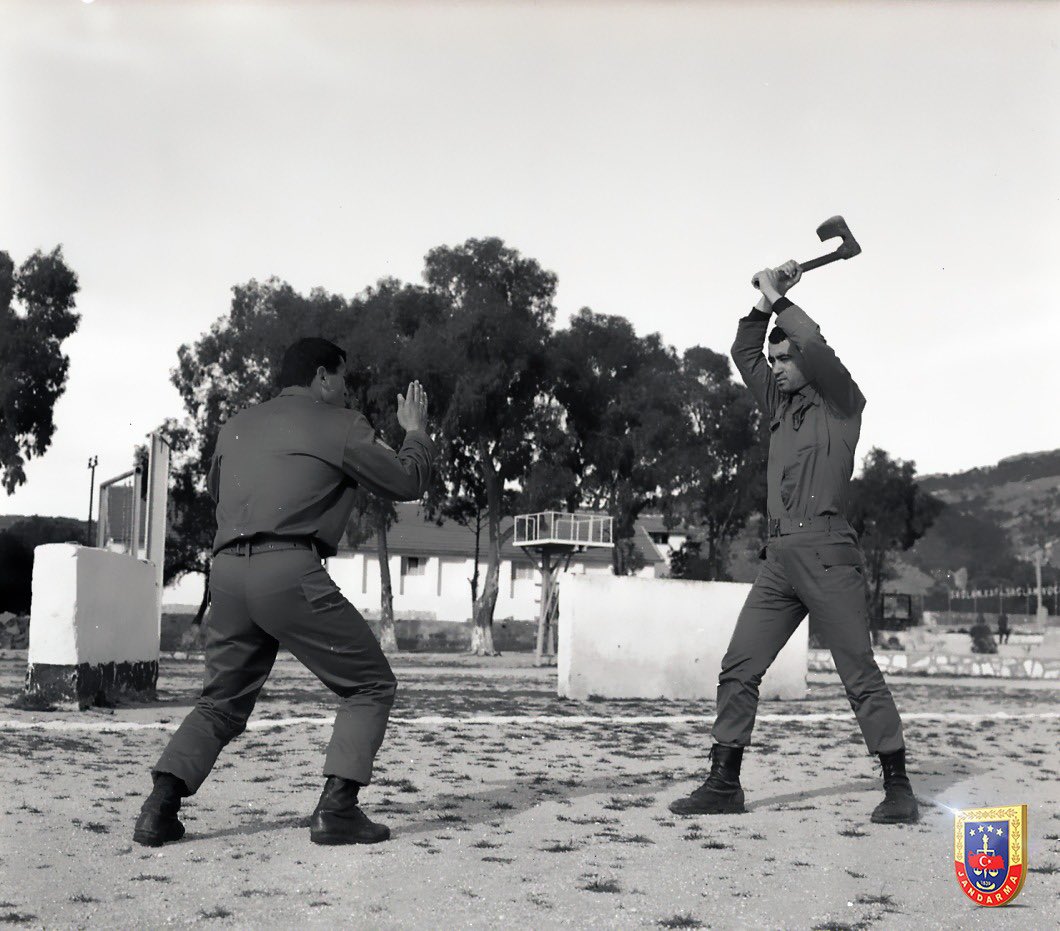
column 431, row 566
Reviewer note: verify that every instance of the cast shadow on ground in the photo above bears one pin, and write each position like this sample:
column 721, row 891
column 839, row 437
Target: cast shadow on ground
column 441, row 811
column 926, row 787
column 245, row 830
column 449, row 810
column 775, row 801
column 516, row 797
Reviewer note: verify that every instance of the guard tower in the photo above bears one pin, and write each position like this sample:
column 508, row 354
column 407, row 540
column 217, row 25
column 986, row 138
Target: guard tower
column 551, row 538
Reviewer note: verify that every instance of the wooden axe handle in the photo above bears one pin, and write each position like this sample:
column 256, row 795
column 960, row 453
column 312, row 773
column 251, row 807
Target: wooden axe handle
column 823, row 260
column 811, row 264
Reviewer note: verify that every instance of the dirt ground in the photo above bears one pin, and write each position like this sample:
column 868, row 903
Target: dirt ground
column 511, row 808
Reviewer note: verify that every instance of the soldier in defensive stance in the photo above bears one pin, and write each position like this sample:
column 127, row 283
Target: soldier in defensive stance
column 284, row 475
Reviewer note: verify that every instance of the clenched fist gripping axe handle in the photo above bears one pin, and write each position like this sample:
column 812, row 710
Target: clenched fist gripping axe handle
column 830, row 229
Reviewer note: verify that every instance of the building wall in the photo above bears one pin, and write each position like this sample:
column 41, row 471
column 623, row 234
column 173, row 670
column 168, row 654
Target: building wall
column 437, row 589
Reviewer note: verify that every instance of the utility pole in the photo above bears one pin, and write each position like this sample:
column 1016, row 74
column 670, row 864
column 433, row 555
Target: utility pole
column 93, row 461
column 1041, row 552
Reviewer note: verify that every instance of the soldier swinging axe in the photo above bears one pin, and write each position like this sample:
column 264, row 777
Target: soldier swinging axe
column 830, row 229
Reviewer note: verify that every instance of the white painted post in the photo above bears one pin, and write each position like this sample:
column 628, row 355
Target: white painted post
column 134, row 541
column 157, row 501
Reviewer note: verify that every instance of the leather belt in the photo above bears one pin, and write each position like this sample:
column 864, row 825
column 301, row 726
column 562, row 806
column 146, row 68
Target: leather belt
column 267, row 543
column 781, row 526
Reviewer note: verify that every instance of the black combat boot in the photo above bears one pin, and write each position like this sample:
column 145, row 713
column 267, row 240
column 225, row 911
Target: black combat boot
column 721, row 793
column 899, row 804
column 158, row 823
column 338, row 819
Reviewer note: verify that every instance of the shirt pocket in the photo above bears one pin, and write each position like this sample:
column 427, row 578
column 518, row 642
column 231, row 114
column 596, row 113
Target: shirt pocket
column 832, row 555
column 320, row 591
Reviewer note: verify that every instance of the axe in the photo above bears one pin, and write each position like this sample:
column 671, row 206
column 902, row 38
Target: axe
column 830, row 229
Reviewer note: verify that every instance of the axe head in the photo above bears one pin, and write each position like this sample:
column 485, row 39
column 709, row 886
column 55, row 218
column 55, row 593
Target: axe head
column 837, row 226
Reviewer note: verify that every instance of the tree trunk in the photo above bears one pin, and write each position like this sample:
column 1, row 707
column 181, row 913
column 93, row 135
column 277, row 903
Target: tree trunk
column 387, row 634
column 482, row 632
column 619, row 565
column 482, row 616
column 478, row 550
column 713, row 552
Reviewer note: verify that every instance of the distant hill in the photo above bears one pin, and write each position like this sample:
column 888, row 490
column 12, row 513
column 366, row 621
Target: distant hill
column 34, row 523
column 1004, row 494
column 991, row 515
column 1027, row 467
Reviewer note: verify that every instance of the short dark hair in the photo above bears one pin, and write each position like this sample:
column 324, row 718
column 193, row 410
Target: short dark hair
column 777, row 335
column 302, row 359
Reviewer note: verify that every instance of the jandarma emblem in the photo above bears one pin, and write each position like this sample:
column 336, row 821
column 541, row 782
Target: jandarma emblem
column 990, row 853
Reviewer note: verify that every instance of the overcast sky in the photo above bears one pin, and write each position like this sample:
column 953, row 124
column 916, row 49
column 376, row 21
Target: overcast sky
column 653, row 155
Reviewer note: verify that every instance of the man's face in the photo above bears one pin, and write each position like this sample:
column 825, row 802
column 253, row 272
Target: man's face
column 785, row 368
column 333, row 389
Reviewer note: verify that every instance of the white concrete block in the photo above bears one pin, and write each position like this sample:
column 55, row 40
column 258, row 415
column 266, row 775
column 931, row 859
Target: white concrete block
column 92, row 606
column 626, row 637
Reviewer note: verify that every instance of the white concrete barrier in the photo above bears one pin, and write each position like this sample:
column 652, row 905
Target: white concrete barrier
column 622, row 637
column 94, row 624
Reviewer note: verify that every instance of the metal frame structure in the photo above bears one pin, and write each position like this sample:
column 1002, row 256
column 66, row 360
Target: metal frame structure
column 553, row 537
column 564, row 529
column 102, row 523
column 154, row 530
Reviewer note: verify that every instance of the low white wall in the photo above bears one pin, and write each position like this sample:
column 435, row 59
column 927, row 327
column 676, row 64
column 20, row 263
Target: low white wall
column 92, row 606
column 622, row 637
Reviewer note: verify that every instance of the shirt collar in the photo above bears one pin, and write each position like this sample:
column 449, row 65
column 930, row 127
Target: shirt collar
column 297, row 391
column 805, row 396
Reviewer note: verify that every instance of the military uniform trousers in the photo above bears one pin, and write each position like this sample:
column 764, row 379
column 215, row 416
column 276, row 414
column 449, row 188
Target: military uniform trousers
column 819, row 573
column 264, row 601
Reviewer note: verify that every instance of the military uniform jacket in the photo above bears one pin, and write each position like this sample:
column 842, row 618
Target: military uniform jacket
column 814, row 432
column 290, row 466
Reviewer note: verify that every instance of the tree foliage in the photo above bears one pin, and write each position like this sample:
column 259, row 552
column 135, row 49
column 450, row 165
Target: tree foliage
column 623, row 409
column 1038, row 526
column 33, row 367
column 890, row 512
column 690, row 563
column 717, row 476
column 17, row 545
column 956, row 540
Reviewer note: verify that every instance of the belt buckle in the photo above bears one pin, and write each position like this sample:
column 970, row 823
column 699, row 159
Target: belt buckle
column 774, row 527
